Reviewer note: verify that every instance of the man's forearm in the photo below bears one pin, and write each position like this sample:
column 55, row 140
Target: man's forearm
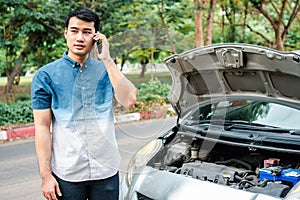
column 43, row 149
column 125, row 91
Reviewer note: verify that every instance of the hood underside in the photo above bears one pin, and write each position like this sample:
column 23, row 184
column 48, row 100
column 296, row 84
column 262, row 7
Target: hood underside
column 233, row 70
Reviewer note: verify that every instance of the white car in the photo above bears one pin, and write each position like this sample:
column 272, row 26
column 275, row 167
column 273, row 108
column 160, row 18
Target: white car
column 238, row 130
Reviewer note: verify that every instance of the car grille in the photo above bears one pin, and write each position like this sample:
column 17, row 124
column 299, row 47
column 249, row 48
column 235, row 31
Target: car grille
column 143, row 197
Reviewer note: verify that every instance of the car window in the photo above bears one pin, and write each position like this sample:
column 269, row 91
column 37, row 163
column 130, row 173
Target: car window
column 259, row 112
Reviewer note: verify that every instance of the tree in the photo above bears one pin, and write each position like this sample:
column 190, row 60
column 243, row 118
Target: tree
column 145, row 37
column 209, row 23
column 280, row 14
column 25, row 29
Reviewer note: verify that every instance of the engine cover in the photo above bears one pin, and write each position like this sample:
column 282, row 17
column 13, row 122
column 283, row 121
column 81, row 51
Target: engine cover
column 211, row 172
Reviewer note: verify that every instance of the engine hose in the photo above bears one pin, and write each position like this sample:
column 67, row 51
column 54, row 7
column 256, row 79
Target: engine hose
column 252, row 178
column 243, row 182
column 263, row 183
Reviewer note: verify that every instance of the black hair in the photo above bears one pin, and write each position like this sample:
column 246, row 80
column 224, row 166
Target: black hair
column 84, row 14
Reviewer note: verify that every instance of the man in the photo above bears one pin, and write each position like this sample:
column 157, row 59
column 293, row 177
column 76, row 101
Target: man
column 74, row 96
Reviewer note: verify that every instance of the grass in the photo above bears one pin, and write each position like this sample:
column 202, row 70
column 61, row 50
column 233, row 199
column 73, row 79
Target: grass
column 164, row 77
column 23, row 82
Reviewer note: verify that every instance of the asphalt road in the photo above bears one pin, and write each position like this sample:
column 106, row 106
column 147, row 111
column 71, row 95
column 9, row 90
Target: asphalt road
column 19, row 177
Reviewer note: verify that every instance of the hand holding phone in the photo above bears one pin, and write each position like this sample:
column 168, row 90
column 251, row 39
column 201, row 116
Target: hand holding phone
column 102, row 46
column 99, row 45
column 98, row 42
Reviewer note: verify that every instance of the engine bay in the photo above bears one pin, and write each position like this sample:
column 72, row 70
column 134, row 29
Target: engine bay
column 255, row 170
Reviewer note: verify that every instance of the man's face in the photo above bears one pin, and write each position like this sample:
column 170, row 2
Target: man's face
column 79, row 35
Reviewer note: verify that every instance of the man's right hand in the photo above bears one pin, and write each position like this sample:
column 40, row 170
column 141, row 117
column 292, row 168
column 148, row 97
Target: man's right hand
column 50, row 188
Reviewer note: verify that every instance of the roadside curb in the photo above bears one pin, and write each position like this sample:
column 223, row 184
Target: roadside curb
column 13, row 133
column 127, row 118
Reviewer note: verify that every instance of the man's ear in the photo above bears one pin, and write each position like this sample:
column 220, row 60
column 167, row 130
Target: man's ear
column 65, row 33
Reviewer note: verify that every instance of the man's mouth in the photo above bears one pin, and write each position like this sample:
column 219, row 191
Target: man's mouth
column 78, row 46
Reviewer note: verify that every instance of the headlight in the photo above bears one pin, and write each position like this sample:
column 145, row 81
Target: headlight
column 141, row 158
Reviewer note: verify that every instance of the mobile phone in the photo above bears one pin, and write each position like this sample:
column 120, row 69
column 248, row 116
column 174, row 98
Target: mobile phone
column 99, row 45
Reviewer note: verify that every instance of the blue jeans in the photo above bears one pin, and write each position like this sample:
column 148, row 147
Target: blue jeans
column 105, row 189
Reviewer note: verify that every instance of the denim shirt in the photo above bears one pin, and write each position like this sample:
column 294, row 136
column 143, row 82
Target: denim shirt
column 84, row 145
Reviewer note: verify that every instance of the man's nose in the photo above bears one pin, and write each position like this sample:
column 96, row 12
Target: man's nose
column 80, row 36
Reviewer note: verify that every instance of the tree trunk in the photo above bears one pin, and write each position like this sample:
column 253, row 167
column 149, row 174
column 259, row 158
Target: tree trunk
column 198, row 15
column 144, row 61
column 84, row 3
column 142, row 74
column 123, row 60
column 231, row 19
column 279, row 42
column 16, row 69
column 246, row 5
column 209, row 23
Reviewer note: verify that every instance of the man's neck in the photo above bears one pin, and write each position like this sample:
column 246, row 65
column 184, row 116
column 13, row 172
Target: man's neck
column 78, row 58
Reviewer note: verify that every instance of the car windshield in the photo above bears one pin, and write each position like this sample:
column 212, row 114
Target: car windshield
column 251, row 112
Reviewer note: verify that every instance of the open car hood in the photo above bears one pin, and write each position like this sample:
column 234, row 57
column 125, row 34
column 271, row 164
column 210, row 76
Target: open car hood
column 233, row 70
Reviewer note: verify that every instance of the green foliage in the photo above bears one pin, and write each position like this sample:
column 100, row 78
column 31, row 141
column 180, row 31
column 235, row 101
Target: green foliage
column 293, row 40
column 28, row 31
column 17, row 113
column 135, row 28
column 153, row 91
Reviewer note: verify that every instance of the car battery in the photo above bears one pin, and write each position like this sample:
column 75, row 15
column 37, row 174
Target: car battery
column 277, row 173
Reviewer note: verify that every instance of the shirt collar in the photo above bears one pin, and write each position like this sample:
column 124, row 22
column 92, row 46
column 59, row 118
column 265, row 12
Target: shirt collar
column 75, row 64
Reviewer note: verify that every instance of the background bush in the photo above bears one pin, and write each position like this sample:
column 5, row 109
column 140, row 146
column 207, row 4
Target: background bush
column 154, row 91
column 15, row 113
column 152, row 98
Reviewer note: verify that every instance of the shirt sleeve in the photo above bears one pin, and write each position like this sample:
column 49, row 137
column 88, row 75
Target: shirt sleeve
column 40, row 91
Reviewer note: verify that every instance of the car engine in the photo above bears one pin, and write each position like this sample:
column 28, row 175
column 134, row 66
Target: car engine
column 255, row 170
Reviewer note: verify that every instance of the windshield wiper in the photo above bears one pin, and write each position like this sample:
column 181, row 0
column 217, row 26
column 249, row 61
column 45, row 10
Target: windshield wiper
column 229, row 123
column 244, row 125
column 237, row 124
